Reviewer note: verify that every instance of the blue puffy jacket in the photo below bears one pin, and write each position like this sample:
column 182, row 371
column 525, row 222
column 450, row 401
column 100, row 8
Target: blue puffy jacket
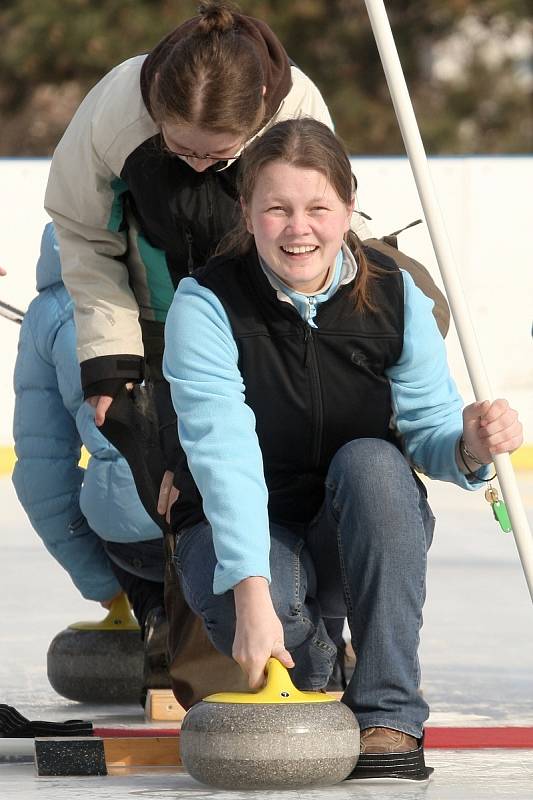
column 72, row 510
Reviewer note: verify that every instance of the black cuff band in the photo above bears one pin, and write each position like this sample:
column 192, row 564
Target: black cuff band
column 120, row 369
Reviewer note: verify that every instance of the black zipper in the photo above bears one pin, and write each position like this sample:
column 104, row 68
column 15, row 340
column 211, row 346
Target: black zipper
column 209, row 190
column 307, row 336
column 190, row 261
column 311, row 363
column 212, row 221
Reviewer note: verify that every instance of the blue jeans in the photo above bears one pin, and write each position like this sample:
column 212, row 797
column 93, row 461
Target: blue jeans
column 364, row 557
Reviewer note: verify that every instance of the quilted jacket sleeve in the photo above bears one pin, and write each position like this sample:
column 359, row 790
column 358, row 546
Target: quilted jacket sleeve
column 47, row 477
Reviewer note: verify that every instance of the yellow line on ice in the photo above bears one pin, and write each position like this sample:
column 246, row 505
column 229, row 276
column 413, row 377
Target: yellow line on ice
column 521, row 460
column 8, row 458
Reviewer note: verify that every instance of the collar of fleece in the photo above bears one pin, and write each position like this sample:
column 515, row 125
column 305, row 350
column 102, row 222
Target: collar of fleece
column 276, row 67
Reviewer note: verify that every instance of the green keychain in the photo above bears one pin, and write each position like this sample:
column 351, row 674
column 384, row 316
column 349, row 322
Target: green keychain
column 499, row 509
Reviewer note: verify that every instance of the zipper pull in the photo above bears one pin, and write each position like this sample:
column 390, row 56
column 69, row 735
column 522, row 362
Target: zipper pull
column 311, row 311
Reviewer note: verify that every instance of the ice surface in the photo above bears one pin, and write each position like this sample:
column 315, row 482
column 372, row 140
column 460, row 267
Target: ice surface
column 476, row 654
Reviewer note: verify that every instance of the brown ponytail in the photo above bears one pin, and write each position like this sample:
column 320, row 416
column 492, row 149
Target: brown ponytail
column 215, row 17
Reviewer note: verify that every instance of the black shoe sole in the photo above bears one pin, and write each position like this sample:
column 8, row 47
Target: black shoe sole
column 403, row 766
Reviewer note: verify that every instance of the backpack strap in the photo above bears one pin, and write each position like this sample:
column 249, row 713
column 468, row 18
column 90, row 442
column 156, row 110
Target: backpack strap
column 421, row 277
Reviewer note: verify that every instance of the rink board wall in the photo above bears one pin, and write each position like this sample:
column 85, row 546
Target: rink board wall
column 488, row 211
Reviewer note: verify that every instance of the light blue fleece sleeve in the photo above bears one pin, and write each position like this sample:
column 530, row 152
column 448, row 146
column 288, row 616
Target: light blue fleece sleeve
column 217, row 432
column 426, row 404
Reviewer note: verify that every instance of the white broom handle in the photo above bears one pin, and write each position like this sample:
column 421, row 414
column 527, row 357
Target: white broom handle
column 448, row 270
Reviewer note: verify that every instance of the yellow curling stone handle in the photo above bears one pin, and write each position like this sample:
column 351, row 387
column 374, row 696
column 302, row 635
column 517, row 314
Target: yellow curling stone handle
column 119, row 618
column 278, row 689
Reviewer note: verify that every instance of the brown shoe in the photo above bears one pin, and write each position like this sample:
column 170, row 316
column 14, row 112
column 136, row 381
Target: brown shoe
column 390, row 754
column 386, row 740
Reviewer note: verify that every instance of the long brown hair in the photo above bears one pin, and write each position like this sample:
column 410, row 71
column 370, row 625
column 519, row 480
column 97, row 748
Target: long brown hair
column 308, row 144
column 211, row 78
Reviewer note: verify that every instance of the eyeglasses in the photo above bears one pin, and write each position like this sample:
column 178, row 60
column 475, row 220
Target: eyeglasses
column 207, row 156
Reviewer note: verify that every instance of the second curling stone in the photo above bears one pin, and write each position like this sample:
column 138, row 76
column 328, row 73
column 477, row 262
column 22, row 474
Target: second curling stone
column 99, row 662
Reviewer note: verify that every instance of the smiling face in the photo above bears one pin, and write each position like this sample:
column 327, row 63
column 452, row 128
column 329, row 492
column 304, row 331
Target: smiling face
column 298, row 222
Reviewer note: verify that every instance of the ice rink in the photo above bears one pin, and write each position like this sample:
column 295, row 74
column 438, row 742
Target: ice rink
column 476, row 654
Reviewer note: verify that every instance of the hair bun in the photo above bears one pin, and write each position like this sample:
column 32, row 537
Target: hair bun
column 215, row 17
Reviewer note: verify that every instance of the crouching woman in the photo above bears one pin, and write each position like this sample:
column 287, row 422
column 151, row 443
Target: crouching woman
column 310, row 382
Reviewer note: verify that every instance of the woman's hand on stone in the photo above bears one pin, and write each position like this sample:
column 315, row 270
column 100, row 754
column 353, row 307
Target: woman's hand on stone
column 258, row 632
column 108, row 603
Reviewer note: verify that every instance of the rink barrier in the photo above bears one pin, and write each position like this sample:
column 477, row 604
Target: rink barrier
column 522, row 460
column 435, row 737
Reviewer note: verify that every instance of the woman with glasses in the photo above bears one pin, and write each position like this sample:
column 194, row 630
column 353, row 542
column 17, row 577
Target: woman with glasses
column 142, row 189
column 142, row 186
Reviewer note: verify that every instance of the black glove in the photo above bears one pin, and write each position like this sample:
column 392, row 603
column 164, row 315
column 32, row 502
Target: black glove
column 132, row 426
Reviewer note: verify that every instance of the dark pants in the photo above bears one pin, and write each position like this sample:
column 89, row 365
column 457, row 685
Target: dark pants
column 139, row 568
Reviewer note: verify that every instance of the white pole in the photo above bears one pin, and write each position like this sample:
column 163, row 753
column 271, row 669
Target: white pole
column 419, row 165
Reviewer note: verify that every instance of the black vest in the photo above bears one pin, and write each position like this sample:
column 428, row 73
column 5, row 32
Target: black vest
column 312, row 390
column 182, row 212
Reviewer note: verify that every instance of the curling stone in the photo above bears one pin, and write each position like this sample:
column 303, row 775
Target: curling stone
column 276, row 738
column 99, row 662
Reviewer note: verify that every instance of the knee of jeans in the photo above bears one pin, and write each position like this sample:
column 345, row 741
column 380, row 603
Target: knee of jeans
column 289, row 607
column 297, row 626
column 299, row 619
column 362, row 459
column 291, row 610
column 218, row 617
